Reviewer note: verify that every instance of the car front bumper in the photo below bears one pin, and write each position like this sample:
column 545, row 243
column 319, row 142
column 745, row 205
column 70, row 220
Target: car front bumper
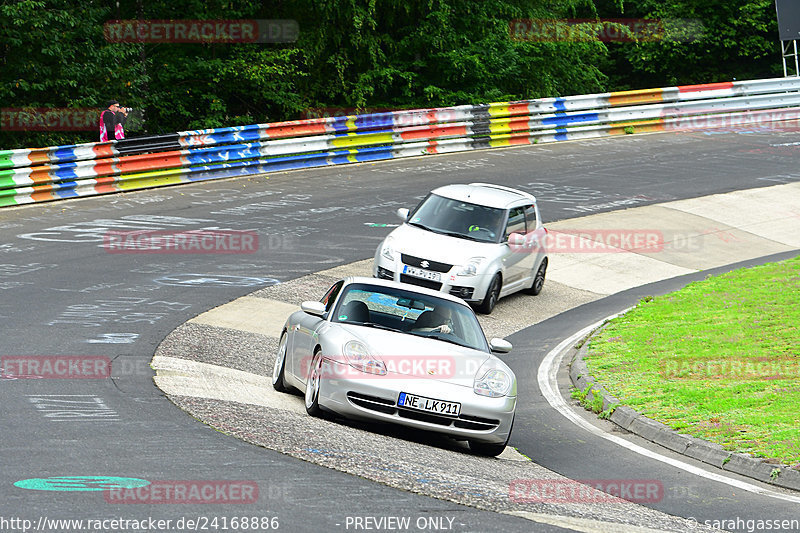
column 374, row 397
column 469, row 288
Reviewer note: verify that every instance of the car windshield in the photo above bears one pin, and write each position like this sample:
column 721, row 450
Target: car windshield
column 411, row 313
column 459, row 219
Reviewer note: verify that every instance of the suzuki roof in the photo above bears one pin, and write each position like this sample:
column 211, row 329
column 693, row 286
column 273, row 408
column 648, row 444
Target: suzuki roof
column 486, row 194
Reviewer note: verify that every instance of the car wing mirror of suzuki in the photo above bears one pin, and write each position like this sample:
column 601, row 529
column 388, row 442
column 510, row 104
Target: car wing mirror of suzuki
column 403, row 213
column 516, row 239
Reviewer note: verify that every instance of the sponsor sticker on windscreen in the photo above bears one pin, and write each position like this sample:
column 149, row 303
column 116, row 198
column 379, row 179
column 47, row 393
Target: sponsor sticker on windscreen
column 429, row 405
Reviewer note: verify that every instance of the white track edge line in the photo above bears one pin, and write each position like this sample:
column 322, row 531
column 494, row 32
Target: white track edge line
column 547, row 383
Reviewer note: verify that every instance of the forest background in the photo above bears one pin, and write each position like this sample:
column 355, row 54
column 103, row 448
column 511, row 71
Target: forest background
column 353, row 56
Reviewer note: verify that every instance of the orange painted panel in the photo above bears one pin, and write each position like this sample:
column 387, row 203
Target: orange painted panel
column 158, row 161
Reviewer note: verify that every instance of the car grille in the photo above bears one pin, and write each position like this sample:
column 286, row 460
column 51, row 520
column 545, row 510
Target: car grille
column 476, row 422
column 434, row 266
column 405, row 278
column 382, row 405
column 373, row 403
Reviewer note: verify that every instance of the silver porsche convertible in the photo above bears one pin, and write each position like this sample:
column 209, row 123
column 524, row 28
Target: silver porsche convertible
column 381, row 350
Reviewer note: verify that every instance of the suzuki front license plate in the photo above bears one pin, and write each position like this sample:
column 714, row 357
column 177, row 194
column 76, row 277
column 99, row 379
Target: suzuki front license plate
column 429, row 405
column 420, row 273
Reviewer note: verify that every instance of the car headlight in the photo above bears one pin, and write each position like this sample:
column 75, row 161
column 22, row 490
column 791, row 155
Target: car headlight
column 387, row 250
column 359, row 358
column 471, row 266
column 492, row 382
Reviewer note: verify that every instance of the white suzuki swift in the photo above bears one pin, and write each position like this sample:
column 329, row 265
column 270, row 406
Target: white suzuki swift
column 479, row 242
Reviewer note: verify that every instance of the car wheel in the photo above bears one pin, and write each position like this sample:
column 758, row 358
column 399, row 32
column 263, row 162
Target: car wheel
column 490, row 449
column 313, row 384
column 278, row 380
column 492, row 295
column 538, row 279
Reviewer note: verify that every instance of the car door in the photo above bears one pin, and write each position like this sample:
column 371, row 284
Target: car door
column 534, row 239
column 305, row 335
column 514, row 262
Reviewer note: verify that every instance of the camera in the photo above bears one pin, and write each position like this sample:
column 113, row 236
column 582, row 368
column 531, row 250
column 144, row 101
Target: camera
column 126, row 109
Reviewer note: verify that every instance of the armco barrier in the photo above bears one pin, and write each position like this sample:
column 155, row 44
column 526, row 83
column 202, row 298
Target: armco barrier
column 53, row 173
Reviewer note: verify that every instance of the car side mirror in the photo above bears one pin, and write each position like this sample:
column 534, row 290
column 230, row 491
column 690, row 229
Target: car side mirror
column 403, row 213
column 500, row 345
column 516, row 239
column 313, row 308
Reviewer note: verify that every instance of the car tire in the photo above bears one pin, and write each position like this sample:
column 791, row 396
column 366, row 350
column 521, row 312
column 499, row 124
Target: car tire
column 492, row 295
column 278, row 369
column 538, row 279
column 313, row 385
column 490, row 449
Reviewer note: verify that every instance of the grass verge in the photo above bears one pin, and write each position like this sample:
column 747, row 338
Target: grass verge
column 719, row 360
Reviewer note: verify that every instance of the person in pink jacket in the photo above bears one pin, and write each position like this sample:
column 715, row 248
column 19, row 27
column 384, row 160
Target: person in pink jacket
column 111, row 120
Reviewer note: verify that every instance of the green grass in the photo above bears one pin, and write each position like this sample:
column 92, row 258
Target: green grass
column 719, row 360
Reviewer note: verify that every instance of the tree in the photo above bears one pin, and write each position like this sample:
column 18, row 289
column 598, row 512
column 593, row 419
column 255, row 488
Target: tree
column 705, row 41
column 358, row 54
column 53, row 55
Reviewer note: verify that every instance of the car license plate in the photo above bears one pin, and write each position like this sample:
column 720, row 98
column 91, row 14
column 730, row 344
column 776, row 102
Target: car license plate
column 424, row 274
column 429, row 405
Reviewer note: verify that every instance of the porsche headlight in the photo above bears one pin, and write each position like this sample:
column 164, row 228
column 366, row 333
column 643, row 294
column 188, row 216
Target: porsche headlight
column 359, row 358
column 471, row 266
column 387, row 250
column 492, row 382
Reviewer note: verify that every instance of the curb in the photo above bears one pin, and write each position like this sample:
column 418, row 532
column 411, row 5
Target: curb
column 744, row 464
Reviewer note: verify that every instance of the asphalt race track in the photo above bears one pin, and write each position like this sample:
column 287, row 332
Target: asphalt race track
column 65, row 294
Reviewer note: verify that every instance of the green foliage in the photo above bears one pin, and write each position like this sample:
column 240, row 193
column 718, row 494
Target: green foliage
column 53, row 54
column 605, row 415
column 594, row 405
column 722, row 363
column 578, row 394
column 352, row 54
column 440, row 52
column 704, row 42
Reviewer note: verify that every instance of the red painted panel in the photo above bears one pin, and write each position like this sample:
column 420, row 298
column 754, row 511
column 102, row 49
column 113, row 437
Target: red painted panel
column 705, row 87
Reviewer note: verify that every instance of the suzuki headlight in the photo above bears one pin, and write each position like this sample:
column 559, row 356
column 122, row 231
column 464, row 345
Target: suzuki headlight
column 471, row 267
column 387, row 250
column 359, row 358
column 492, row 382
